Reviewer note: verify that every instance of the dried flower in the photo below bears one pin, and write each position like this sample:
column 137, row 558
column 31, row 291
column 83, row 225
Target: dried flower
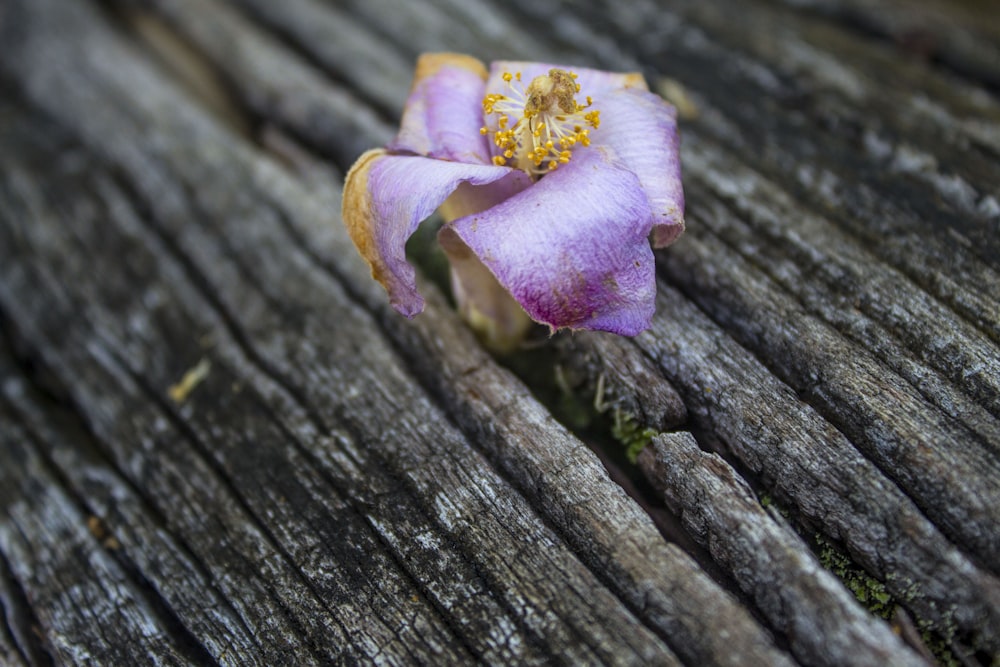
column 553, row 184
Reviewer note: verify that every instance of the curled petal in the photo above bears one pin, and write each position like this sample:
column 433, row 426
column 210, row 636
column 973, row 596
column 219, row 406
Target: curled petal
column 444, row 111
column 487, row 307
column 592, row 82
column 468, row 199
column 387, row 196
column 490, row 310
column 572, row 249
column 640, row 129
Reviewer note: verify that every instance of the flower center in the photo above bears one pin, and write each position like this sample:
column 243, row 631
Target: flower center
column 536, row 129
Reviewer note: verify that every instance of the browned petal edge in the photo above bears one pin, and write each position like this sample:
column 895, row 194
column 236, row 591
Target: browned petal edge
column 634, row 80
column 359, row 215
column 429, row 64
column 664, row 235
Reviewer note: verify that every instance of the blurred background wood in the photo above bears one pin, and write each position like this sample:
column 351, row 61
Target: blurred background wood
column 220, row 445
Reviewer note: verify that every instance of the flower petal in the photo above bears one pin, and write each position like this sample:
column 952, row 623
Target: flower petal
column 387, row 196
column 592, row 81
column 572, row 249
column 444, row 111
column 641, row 131
column 486, row 305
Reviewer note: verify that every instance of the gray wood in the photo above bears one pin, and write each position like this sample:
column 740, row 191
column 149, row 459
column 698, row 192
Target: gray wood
column 962, row 39
column 820, row 618
column 739, row 407
column 337, row 483
column 387, row 591
column 273, row 84
column 943, row 466
column 243, row 329
column 562, row 477
column 75, row 586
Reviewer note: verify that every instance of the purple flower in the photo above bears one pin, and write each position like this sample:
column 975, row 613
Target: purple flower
column 554, row 184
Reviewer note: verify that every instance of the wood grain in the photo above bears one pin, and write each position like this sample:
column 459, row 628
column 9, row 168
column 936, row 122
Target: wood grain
column 220, row 445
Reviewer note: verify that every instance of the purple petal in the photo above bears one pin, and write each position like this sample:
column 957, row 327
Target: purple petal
column 592, row 81
column 387, row 196
column 444, row 111
column 572, row 249
column 640, row 129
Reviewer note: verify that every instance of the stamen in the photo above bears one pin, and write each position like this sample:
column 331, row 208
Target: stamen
column 549, row 123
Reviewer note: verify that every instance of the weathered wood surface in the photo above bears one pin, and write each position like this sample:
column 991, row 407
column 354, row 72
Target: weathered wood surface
column 343, row 485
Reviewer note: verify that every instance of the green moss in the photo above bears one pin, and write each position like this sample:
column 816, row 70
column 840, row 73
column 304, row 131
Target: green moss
column 872, row 593
column 631, row 434
column 869, row 591
column 940, row 648
column 939, row 638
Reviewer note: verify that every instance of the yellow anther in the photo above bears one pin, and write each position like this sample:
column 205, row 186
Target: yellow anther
column 538, row 126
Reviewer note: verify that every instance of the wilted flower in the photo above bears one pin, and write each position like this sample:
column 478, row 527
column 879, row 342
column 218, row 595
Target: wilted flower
column 554, row 183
